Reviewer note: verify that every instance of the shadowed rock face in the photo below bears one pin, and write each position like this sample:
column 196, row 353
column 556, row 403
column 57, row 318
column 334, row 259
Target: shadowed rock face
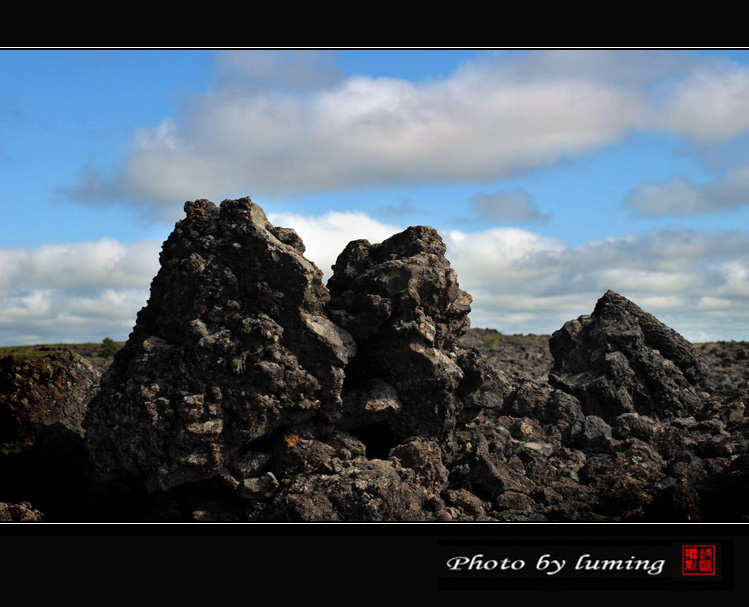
column 623, row 360
column 39, row 393
column 232, row 345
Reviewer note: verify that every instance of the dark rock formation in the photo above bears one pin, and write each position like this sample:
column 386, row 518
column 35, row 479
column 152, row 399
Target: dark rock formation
column 728, row 368
column 623, row 432
column 43, row 404
column 622, row 360
column 345, row 485
column 232, row 346
column 39, row 393
column 232, row 382
column 401, row 302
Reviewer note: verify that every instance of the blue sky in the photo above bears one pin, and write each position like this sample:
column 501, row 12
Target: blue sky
column 552, row 175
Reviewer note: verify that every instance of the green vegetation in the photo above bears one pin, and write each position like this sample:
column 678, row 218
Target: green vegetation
column 492, row 341
column 109, row 346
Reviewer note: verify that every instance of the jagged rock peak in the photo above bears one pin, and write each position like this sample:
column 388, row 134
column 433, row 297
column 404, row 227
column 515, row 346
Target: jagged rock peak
column 657, row 335
column 401, row 301
column 404, row 284
column 621, row 359
column 232, row 345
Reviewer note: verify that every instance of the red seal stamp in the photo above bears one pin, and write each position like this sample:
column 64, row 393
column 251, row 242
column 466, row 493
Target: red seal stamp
column 698, row 560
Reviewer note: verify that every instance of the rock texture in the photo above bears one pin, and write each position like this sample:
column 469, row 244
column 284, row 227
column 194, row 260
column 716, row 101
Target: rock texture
column 19, row 513
column 623, row 360
column 517, row 357
column 401, row 302
column 233, row 345
column 249, row 391
column 728, row 367
column 39, row 393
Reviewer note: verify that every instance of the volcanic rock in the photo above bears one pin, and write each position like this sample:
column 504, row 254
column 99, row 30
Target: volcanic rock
column 232, row 345
column 361, row 490
column 19, row 513
column 401, row 302
column 621, row 359
column 38, row 393
column 43, row 403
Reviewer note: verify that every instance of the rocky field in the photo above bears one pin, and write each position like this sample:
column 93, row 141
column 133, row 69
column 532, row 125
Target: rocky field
column 250, row 391
column 528, row 357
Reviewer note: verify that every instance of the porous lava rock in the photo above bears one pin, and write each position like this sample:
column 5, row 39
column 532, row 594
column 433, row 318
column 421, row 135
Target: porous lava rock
column 19, row 513
column 401, row 302
column 232, row 345
column 38, row 393
column 621, row 359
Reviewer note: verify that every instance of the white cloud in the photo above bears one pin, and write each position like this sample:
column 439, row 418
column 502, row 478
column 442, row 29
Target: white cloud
column 284, row 122
column 677, row 197
column 327, row 235
column 680, row 197
column 715, row 303
column 500, row 254
column 651, row 280
column 60, row 316
column 290, row 69
column 709, row 105
column 279, row 123
column 507, row 205
column 80, row 265
column 74, row 292
column 487, row 120
column 521, row 281
column 736, row 276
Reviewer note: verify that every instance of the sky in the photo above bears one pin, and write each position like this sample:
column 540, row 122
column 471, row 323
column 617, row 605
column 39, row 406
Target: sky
column 552, row 175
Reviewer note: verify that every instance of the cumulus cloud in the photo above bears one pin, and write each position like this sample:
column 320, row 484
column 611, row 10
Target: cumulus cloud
column 630, row 68
column 487, row 120
column 681, row 197
column 278, row 123
column 521, row 281
column 285, row 123
column 326, row 236
column 515, row 206
column 74, row 292
column 84, row 265
column 525, row 282
column 294, row 69
column 709, row 105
